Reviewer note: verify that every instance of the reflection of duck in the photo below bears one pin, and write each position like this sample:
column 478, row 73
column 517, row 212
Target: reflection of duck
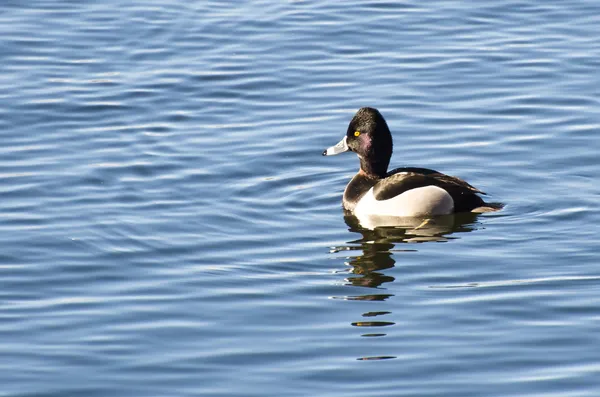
column 403, row 191
column 377, row 245
column 379, row 240
column 398, row 229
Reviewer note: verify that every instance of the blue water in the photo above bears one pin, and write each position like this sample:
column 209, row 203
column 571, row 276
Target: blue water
column 168, row 226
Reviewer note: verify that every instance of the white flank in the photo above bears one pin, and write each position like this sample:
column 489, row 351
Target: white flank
column 422, row 201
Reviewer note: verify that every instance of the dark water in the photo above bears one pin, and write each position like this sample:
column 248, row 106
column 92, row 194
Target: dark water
column 169, row 228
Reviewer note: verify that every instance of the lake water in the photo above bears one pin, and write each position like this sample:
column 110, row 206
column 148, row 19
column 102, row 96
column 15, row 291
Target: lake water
column 168, row 226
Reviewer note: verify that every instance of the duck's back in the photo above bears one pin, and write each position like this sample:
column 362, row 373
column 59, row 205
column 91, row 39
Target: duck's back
column 419, row 192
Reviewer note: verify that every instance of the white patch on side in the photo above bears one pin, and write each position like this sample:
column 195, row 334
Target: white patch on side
column 422, row 201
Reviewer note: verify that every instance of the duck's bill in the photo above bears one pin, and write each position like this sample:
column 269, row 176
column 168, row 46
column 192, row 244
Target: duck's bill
column 341, row 147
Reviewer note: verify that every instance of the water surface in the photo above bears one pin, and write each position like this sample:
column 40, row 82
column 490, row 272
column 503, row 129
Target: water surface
column 169, row 227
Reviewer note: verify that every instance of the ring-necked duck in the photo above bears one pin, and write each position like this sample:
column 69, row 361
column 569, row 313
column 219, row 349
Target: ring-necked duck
column 403, row 191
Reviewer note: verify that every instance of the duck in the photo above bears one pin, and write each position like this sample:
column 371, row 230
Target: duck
column 402, row 192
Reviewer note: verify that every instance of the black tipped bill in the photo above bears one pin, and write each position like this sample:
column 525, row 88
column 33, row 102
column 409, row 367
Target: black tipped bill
column 340, row 147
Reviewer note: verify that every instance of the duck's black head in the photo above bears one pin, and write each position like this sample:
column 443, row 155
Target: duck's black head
column 369, row 137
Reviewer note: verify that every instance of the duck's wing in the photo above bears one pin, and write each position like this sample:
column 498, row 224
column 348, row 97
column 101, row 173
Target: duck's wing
column 401, row 180
column 416, row 170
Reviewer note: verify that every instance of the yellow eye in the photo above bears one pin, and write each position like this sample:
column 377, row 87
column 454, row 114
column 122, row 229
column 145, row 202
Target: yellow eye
column 356, row 133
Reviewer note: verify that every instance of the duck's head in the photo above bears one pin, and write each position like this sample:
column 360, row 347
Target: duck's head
column 369, row 137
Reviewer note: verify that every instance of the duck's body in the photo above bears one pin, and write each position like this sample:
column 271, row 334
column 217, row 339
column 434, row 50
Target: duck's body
column 410, row 192
column 403, row 191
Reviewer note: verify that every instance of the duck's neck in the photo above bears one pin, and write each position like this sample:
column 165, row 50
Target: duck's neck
column 356, row 189
column 373, row 169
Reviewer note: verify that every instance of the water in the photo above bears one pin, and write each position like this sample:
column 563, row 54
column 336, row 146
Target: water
column 169, row 227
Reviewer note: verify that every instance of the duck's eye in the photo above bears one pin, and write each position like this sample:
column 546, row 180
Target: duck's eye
column 356, row 133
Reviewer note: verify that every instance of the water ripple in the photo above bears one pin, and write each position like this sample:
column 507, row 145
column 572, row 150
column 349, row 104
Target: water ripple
column 167, row 219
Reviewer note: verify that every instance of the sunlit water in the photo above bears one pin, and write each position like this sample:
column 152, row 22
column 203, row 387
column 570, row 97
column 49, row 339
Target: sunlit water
column 168, row 226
